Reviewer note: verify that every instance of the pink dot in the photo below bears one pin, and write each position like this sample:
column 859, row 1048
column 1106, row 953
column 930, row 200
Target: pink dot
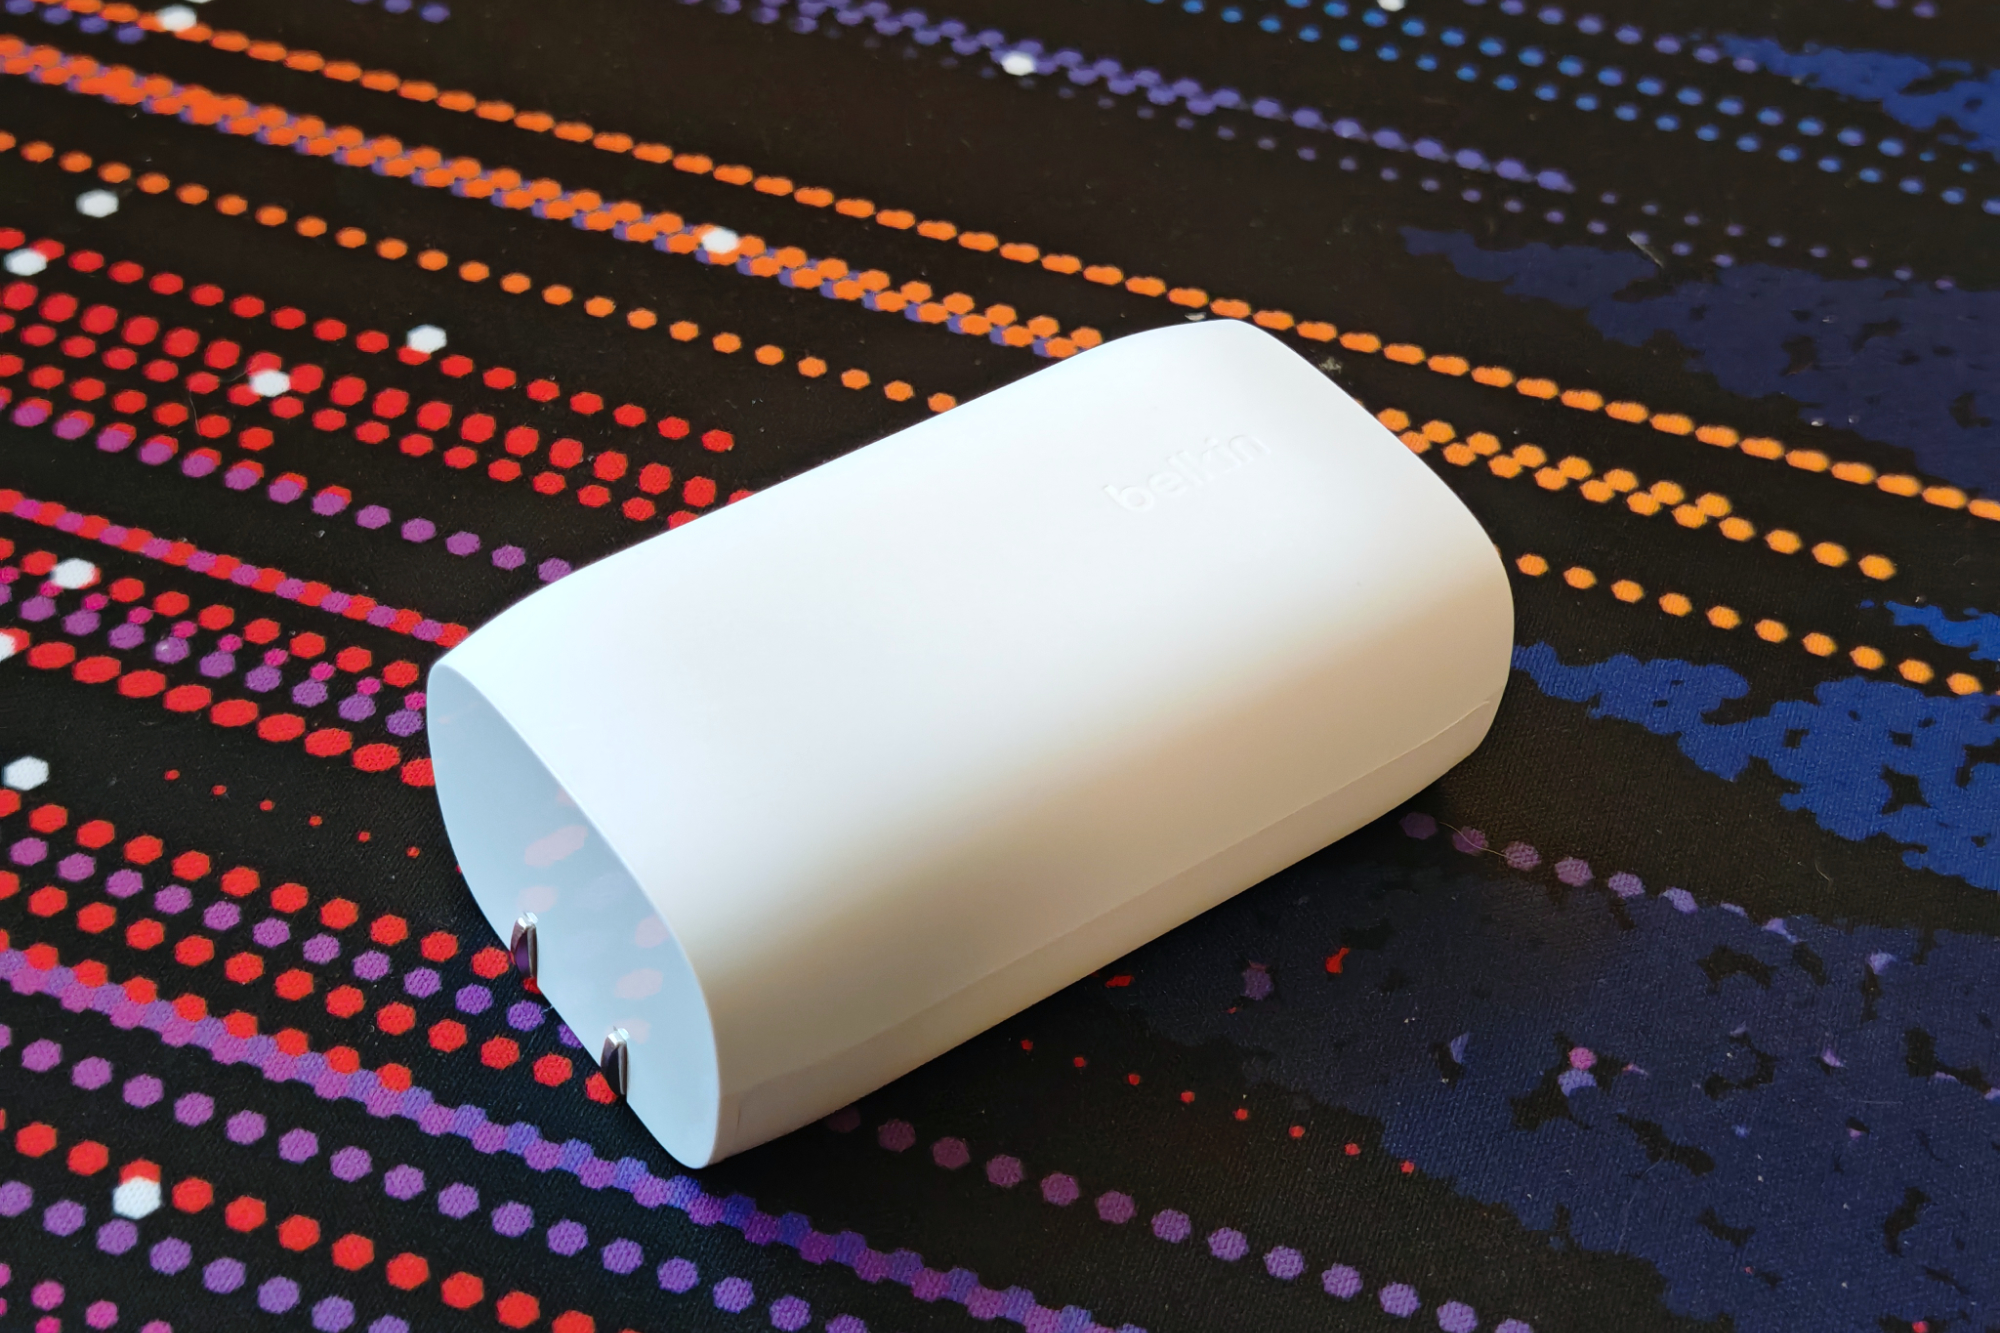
column 1059, row 1189
column 1469, row 840
column 1004, row 1171
column 101, row 1314
column 950, row 1154
column 897, row 1135
column 1582, row 1057
column 1419, row 825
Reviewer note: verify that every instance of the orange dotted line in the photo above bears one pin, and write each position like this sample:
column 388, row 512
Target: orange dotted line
column 1772, row 631
column 1533, row 460
column 1109, row 275
column 124, row 85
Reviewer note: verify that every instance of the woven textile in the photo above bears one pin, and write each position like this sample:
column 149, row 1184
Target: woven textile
column 328, row 330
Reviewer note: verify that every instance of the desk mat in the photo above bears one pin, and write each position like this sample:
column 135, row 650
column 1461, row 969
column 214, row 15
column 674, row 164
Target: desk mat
column 330, row 329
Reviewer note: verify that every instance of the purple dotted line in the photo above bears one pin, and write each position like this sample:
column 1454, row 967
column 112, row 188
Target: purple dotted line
column 169, row 1257
column 630, row 1175
column 1060, row 1190
column 406, row 1183
column 71, row 521
column 1198, row 98
column 246, row 473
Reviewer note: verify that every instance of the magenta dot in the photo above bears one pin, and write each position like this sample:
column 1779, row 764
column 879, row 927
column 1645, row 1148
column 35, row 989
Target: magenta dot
column 1419, row 825
column 46, row 1295
column 1514, row 1326
column 678, row 1275
column 1284, row 1263
column 790, row 1313
column 91, row 1074
column 844, row 1121
column 512, row 1219
column 194, row 1108
column 245, row 1127
column 1582, row 1057
column 1228, row 1244
column 1399, row 1299
column 1457, row 1317
column 1469, row 840
column 897, row 1136
column 41, row 1056
column 1172, row 1226
column 509, row 557
column 733, row 1294
column 64, row 1217
column 1626, row 884
column 372, row 516
column 1059, row 1189
column 403, row 1182
column 298, row 1145
column 170, row 1256
column 350, row 1164
column 950, row 1154
column 1520, row 856
column 622, row 1256
column 1004, row 1171
column 1115, row 1208
column 1573, row 871
column 458, row 1200
column 462, row 543
column 101, row 1314
column 1341, row 1282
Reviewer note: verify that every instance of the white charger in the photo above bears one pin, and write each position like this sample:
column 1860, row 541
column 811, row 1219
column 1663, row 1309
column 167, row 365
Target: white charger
column 780, row 805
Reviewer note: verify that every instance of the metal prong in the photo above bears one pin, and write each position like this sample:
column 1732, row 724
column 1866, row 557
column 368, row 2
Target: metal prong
column 616, row 1061
column 527, row 952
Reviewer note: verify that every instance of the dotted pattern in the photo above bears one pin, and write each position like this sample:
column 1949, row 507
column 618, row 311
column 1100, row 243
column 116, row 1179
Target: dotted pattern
column 1769, row 630
column 1171, row 1226
column 425, row 167
column 388, row 1091
column 1589, row 85
column 1661, row 496
column 341, row 393
column 1579, row 398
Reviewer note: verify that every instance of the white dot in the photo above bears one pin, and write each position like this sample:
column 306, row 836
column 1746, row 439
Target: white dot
column 73, row 573
column 1018, row 63
column 720, row 240
column 25, row 773
column 136, row 1198
column 270, row 383
column 424, row 338
column 26, row 262
column 97, row 203
column 1391, row 5
column 176, row 18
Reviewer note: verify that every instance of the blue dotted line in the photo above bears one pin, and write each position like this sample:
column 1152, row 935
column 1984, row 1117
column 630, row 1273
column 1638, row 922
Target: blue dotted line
column 1542, row 66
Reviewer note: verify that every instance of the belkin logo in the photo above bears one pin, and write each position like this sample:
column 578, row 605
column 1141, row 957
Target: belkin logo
column 1189, row 470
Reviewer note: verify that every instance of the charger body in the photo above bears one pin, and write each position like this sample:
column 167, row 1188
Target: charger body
column 809, row 791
